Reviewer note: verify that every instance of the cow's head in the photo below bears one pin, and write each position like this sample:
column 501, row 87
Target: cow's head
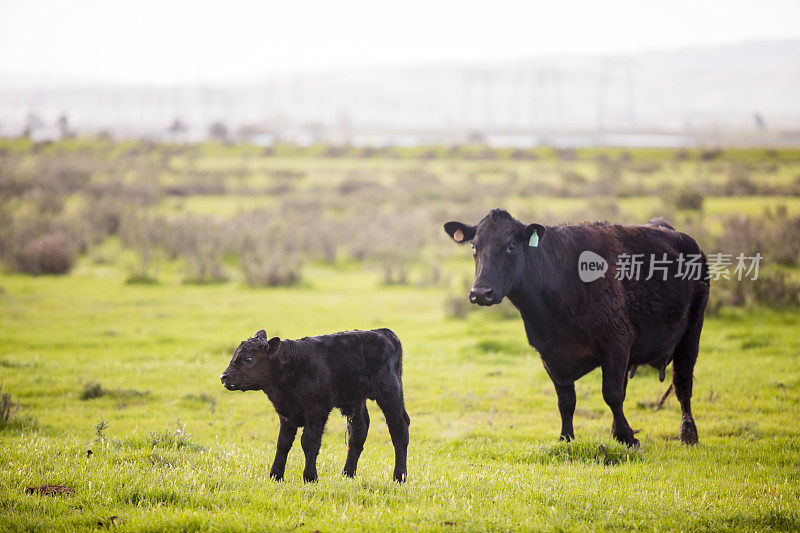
column 499, row 244
column 250, row 365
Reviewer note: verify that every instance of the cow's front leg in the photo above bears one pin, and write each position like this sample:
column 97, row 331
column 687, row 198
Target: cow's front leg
column 615, row 366
column 566, row 405
column 286, row 437
column 311, row 441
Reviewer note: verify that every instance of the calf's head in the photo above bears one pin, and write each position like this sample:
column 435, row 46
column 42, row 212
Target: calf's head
column 500, row 245
column 250, row 365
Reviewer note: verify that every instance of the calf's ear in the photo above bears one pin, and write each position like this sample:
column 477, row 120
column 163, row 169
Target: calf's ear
column 532, row 234
column 460, row 232
column 272, row 345
column 261, row 334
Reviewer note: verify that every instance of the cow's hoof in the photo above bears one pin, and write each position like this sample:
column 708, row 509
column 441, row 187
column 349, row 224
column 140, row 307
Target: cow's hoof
column 566, row 438
column 310, row 478
column 275, row 476
column 688, row 433
column 349, row 473
column 625, row 437
column 400, row 477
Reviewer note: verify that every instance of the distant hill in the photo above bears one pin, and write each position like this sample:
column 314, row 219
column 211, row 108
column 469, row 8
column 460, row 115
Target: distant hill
column 744, row 87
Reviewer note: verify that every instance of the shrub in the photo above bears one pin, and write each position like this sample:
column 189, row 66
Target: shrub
column 272, row 266
column 53, row 253
column 644, row 167
column 456, row 305
column 729, row 293
column 783, row 238
column 202, row 244
column 688, row 199
column 92, row 390
column 710, row 155
column 141, row 234
column 777, row 290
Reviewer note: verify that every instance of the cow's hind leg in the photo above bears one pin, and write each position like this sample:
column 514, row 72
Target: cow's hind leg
column 615, row 379
column 311, row 441
column 566, row 406
column 393, row 407
column 683, row 363
column 357, row 428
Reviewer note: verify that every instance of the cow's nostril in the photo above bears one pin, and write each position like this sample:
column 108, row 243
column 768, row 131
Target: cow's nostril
column 223, row 377
column 481, row 295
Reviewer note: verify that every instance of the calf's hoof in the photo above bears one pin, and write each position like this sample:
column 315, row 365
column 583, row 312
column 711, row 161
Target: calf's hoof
column 566, row 437
column 349, row 473
column 276, row 476
column 688, row 432
column 310, row 477
column 400, row 477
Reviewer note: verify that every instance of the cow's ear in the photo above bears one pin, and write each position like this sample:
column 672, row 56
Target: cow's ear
column 261, row 334
column 459, row 232
column 272, row 346
column 532, row 234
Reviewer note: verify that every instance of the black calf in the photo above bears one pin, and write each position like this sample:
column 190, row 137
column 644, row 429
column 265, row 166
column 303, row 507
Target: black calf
column 307, row 378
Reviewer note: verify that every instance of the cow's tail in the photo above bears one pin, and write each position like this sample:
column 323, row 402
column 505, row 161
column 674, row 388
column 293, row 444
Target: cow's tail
column 704, row 277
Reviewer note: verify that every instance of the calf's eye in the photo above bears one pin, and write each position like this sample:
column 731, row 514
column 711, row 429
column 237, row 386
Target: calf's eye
column 473, row 249
column 248, row 360
column 511, row 249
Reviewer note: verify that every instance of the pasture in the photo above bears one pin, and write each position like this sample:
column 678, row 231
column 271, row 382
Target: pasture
column 116, row 363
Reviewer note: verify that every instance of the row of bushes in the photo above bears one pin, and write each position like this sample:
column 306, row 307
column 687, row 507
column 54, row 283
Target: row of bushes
column 56, row 205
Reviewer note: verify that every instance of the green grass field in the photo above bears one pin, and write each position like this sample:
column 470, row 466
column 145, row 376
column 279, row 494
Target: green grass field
column 118, row 382
column 181, row 453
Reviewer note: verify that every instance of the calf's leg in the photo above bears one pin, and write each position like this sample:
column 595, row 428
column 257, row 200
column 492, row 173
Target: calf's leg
column 357, row 428
column 311, row 441
column 566, row 405
column 391, row 403
column 285, row 440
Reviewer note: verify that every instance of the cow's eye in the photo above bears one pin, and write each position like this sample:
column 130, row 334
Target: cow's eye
column 473, row 250
column 248, row 360
column 511, row 249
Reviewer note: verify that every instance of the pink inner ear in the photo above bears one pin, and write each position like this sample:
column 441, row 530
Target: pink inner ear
column 458, row 235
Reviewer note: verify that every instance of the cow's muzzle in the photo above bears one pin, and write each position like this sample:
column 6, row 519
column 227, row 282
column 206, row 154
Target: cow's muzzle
column 225, row 379
column 483, row 296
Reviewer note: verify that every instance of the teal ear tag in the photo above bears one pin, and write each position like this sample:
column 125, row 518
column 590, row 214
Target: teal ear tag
column 534, row 239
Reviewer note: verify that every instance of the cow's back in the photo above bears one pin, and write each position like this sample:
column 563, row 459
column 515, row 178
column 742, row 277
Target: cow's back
column 659, row 302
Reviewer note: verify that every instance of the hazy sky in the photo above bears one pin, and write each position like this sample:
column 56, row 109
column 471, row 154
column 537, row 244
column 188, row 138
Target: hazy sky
column 168, row 42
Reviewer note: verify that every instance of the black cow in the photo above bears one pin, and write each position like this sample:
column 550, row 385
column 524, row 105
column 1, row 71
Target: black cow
column 306, row 379
column 613, row 323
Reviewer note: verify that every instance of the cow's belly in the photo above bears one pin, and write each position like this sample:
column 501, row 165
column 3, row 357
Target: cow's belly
column 566, row 366
column 656, row 342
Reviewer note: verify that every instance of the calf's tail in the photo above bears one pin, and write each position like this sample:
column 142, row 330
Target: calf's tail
column 398, row 364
